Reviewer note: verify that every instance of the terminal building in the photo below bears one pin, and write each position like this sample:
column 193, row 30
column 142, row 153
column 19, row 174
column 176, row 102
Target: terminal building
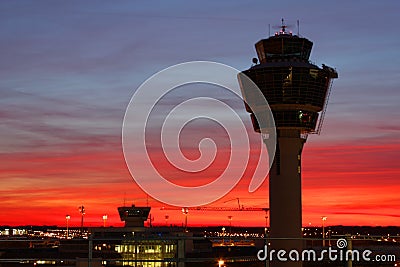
column 141, row 246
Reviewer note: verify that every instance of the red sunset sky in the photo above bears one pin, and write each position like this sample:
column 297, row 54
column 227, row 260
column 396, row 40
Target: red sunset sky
column 69, row 70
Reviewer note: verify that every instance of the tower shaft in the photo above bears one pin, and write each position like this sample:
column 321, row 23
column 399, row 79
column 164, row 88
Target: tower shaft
column 285, row 195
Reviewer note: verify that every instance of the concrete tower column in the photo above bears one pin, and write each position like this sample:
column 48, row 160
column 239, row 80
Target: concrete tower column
column 285, row 196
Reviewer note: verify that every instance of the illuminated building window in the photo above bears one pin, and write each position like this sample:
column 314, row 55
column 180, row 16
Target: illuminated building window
column 147, row 253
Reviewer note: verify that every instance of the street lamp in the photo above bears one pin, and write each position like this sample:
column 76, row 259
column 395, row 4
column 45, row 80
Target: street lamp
column 329, row 237
column 166, row 219
column 185, row 211
column 82, row 212
column 67, row 218
column 223, row 235
column 230, row 228
column 105, row 217
column 323, row 230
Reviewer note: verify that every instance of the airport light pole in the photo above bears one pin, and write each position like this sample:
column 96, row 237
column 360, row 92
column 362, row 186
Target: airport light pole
column 67, row 218
column 82, row 212
column 166, row 219
column 323, row 229
column 185, row 211
column 105, row 217
column 230, row 228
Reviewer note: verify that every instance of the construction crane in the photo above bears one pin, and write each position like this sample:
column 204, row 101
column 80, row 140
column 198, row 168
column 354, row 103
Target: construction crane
column 236, row 198
column 203, row 208
column 217, row 209
column 238, row 201
column 185, row 211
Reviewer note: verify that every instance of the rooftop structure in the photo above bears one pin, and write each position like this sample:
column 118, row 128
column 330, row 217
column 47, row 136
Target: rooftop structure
column 134, row 216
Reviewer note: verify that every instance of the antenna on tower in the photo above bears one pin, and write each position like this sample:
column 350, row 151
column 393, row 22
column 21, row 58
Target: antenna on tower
column 298, row 28
column 283, row 26
column 269, row 30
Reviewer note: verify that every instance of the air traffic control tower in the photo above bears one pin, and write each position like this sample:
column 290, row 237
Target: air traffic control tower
column 297, row 92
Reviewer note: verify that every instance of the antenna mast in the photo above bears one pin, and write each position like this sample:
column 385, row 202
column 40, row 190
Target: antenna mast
column 283, row 26
column 269, row 30
column 298, row 28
